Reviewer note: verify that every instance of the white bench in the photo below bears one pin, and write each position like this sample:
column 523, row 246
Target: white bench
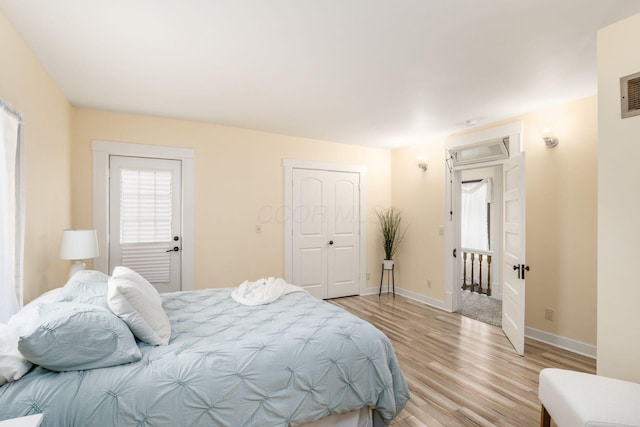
column 578, row 399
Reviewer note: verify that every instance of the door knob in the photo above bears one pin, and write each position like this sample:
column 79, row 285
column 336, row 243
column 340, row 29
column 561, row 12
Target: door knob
column 175, row 249
column 331, row 242
column 516, row 267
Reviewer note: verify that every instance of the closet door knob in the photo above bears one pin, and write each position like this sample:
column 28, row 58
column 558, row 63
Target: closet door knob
column 331, row 242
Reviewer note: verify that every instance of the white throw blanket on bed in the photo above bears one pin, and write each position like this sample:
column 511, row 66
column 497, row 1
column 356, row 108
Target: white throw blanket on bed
column 263, row 291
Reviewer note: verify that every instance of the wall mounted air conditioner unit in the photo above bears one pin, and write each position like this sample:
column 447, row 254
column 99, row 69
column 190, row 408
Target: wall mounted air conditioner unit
column 487, row 151
column 630, row 95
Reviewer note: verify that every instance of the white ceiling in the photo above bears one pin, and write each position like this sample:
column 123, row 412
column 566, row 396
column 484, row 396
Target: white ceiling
column 381, row 73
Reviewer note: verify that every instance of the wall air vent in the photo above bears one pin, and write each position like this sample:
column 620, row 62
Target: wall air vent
column 630, row 95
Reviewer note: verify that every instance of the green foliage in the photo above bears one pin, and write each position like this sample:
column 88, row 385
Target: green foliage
column 390, row 234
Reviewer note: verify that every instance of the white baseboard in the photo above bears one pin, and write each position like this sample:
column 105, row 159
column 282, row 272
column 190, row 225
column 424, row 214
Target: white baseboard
column 564, row 343
column 370, row 290
column 436, row 303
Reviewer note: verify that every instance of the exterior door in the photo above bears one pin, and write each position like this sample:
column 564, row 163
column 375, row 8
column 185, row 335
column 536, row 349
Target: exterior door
column 513, row 296
column 326, row 230
column 145, row 206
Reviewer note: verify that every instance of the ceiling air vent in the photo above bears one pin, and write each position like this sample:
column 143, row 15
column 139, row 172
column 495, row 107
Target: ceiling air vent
column 630, row 93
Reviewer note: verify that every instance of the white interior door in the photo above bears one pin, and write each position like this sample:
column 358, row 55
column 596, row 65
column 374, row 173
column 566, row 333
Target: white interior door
column 310, row 244
column 325, row 232
column 343, row 220
column 513, row 297
column 145, row 207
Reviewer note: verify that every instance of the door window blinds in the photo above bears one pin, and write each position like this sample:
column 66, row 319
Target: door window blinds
column 145, row 222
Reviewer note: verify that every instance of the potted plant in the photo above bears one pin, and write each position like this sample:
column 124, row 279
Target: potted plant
column 390, row 234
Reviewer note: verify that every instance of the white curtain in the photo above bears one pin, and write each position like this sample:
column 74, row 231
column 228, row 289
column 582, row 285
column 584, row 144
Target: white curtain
column 11, row 211
column 475, row 219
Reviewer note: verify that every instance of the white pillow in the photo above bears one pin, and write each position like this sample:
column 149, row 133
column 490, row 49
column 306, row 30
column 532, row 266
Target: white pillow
column 12, row 364
column 132, row 298
column 29, row 313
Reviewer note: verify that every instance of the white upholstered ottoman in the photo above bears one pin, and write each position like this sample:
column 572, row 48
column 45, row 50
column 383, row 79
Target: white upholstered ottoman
column 577, row 399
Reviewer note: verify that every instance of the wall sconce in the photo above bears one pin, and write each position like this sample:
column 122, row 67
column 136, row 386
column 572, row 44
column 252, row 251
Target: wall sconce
column 548, row 138
column 422, row 163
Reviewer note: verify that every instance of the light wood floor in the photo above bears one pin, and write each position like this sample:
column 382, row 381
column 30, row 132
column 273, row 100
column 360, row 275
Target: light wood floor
column 461, row 372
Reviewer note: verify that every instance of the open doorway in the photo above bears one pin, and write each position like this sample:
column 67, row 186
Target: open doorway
column 480, row 213
column 499, row 146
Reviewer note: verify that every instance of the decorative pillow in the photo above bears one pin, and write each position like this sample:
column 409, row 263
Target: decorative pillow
column 138, row 303
column 87, row 287
column 73, row 336
column 12, row 364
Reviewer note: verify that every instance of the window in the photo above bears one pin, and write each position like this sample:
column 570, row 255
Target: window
column 487, row 151
column 11, row 210
column 146, row 205
column 476, row 215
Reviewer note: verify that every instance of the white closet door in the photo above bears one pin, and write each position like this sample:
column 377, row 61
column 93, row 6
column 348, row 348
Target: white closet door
column 310, row 244
column 343, row 226
column 326, row 213
column 145, row 206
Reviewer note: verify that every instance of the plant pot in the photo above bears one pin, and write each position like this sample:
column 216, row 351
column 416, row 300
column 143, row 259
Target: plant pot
column 388, row 264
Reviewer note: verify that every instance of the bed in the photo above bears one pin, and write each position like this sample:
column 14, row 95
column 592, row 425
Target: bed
column 291, row 362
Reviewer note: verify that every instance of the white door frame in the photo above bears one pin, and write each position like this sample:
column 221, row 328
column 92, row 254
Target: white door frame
column 101, row 152
column 289, row 165
column 451, row 226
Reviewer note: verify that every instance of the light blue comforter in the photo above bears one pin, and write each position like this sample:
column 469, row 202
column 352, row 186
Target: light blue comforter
column 290, row 362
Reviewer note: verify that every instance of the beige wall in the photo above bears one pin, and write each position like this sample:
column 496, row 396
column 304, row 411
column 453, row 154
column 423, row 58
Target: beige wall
column 420, row 197
column 239, row 183
column 25, row 84
column 561, row 219
column 239, row 177
column 618, row 206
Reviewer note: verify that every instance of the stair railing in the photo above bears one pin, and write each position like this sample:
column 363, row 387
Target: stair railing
column 475, row 283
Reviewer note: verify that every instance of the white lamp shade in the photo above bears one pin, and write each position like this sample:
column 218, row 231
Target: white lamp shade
column 79, row 244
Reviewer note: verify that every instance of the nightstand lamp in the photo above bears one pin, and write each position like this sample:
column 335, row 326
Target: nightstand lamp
column 78, row 245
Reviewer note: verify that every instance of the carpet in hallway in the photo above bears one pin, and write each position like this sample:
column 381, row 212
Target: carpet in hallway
column 481, row 307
